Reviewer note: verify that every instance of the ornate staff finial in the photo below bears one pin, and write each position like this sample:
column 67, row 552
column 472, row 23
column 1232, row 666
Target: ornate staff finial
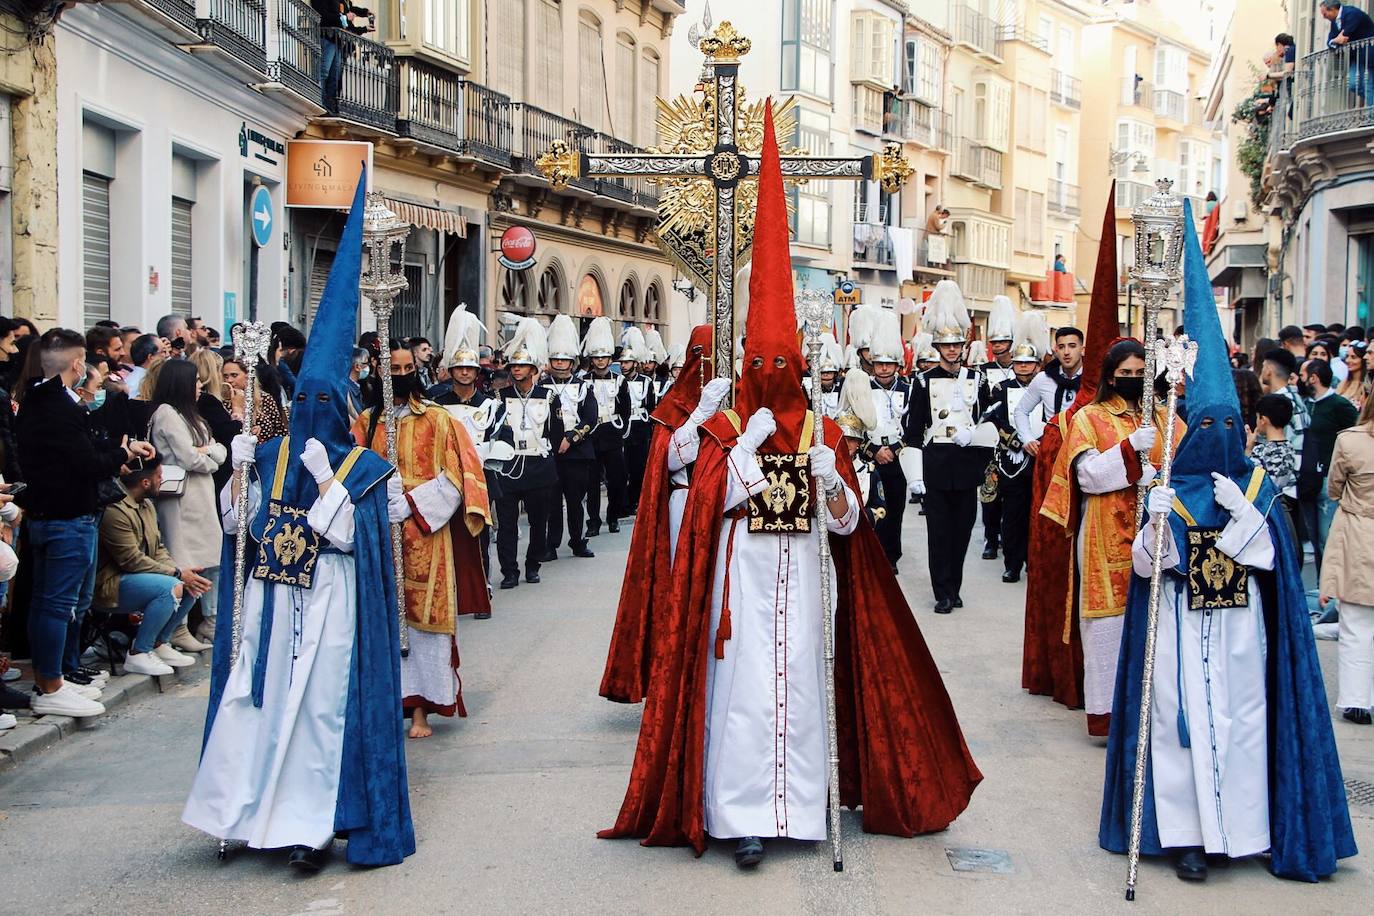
column 560, row 164
column 891, row 169
column 725, row 45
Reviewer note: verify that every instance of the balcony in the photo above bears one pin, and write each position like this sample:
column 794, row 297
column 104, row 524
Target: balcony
column 1171, row 105
column 979, row 282
column 1062, row 198
column 923, row 125
column 1066, row 90
column 931, row 251
column 297, row 63
column 873, row 247
column 1129, row 194
column 977, row 31
column 440, row 109
column 1025, row 36
column 1323, row 90
column 235, row 28
column 1055, row 290
column 534, row 130
column 367, row 90
column 978, row 164
column 174, row 20
column 869, row 114
column 1135, row 91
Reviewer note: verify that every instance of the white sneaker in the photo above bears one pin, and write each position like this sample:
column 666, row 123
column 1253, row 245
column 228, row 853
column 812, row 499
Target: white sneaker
column 11, row 674
column 172, row 657
column 183, row 640
column 7, row 721
column 66, row 701
column 145, row 663
column 89, row 691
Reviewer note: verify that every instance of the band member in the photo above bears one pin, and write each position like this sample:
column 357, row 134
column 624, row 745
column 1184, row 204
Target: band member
column 945, row 410
column 656, row 365
column 863, row 321
column 537, row 433
column 608, row 436
column 483, row 416
column 892, row 436
column 828, row 371
column 643, row 400
column 924, row 351
column 576, row 462
column 997, row 369
column 857, row 416
column 1012, row 469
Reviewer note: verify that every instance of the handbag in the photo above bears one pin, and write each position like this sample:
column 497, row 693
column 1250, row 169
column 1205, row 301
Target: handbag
column 173, row 482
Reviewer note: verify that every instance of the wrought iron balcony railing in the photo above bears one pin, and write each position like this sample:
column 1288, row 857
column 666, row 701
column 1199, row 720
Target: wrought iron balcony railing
column 1022, row 34
column 1333, row 91
column 367, row 91
column 297, row 63
column 1136, row 91
column 1062, row 198
column 535, row 130
column 237, row 26
column 1066, row 90
column 977, row 31
column 440, row 108
column 180, row 12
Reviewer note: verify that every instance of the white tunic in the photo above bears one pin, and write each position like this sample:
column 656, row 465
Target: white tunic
column 682, row 452
column 765, row 724
column 270, row 776
column 1215, row 793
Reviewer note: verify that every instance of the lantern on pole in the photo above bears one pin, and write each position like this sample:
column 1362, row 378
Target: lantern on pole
column 384, row 241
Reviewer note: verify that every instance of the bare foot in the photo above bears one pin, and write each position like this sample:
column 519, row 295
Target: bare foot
column 419, row 725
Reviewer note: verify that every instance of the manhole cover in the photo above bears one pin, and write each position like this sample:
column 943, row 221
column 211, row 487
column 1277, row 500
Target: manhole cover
column 1359, row 792
column 992, row 861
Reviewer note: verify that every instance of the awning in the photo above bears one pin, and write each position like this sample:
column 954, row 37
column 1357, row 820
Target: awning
column 423, row 217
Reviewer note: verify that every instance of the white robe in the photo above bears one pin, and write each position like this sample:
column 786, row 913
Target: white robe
column 1215, row 793
column 427, row 671
column 682, row 452
column 270, row 776
column 766, row 747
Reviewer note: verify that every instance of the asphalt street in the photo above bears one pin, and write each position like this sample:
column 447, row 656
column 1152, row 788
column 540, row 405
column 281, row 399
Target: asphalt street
column 507, row 801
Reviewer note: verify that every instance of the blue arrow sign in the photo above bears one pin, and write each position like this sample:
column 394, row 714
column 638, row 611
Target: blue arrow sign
column 261, row 217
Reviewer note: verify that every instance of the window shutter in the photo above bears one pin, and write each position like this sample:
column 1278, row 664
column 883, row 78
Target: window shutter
column 624, row 126
column 319, row 274
column 648, row 96
column 506, row 60
column 548, row 63
column 95, row 256
column 591, row 108
column 181, row 257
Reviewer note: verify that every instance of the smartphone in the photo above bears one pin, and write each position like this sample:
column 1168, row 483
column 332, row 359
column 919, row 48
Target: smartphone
column 14, row 489
column 134, row 464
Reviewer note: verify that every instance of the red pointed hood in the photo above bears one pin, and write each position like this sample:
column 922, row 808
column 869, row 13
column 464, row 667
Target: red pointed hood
column 771, row 375
column 684, row 394
column 1102, row 325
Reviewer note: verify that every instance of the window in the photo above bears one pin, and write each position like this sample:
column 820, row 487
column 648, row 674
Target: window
column 921, row 71
column 1194, row 160
column 1171, row 69
column 648, row 99
column 1044, row 27
column 446, row 26
column 992, row 112
column 980, row 242
column 624, row 125
column 1032, row 115
column 653, row 304
column 872, row 48
column 591, row 79
column 868, row 109
column 806, row 47
column 629, row 302
column 1136, row 138
column 1028, row 232
column 515, row 292
column 546, row 90
column 810, row 220
column 506, row 56
column 551, row 290
column 1064, row 51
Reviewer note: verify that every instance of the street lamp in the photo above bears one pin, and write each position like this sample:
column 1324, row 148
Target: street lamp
column 384, row 242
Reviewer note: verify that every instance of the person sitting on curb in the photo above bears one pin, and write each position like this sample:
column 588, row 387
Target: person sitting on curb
column 136, row 574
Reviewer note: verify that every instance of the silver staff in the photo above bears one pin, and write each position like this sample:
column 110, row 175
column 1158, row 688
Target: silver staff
column 250, row 345
column 384, row 235
column 814, row 309
column 1177, row 357
column 1155, row 272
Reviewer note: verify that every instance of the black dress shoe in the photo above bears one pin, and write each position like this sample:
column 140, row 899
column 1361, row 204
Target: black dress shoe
column 1191, row 864
column 593, row 529
column 894, row 569
column 486, row 616
column 989, row 553
column 944, row 606
column 532, row 576
column 303, row 858
column 549, row 556
column 1357, row 715
column 1011, row 576
column 749, row 852
column 510, row 581
column 613, row 526
column 958, row 602
column 583, row 552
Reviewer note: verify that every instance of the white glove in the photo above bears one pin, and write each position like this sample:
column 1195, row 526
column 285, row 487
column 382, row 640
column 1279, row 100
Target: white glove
column 822, row 460
column 1160, row 501
column 1228, row 495
column 397, row 506
column 963, row 436
column 761, row 425
column 242, row 450
column 316, row 460
column 1143, row 439
column 917, row 487
column 711, row 397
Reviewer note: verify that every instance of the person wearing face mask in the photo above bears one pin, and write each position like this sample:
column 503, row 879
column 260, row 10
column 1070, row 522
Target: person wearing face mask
column 64, row 468
column 440, row 475
column 1330, row 413
column 358, row 371
column 190, row 521
column 1093, row 495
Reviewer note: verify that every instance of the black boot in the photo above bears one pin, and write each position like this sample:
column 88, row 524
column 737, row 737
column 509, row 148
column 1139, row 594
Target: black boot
column 532, row 576
column 583, row 552
column 510, row 581
column 305, row 859
column 1190, row 864
column 613, row 526
column 593, row 529
column 749, row 852
column 1358, row 716
column 1011, row 575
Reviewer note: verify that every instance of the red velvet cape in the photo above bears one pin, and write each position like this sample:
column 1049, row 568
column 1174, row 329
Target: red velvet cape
column 648, row 581
column 1049, row 666
column 902, row 753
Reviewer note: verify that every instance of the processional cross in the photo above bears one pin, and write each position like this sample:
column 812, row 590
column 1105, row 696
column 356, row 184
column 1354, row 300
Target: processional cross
column 708, row 169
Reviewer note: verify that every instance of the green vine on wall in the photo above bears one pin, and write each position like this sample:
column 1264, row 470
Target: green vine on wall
column 1253, row 149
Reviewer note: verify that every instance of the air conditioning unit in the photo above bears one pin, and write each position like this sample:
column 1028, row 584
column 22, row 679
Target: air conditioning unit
column 1240, row 210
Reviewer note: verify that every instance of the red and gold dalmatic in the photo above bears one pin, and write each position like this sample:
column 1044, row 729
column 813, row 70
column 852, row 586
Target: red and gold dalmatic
column 431, row 444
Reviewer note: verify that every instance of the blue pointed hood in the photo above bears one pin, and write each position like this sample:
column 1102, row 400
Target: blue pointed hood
column 1215, row 440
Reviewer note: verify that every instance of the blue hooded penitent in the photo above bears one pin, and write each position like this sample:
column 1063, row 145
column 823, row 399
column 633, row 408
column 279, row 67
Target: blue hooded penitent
column 1309, row 822
column 373, row 805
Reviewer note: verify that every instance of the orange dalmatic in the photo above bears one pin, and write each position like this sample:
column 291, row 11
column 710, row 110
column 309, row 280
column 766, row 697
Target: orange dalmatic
column 430, row 443
column 1108, row 520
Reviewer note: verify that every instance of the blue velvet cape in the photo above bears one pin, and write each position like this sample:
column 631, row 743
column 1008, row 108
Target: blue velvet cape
column 373, row 805
column 1309, row 821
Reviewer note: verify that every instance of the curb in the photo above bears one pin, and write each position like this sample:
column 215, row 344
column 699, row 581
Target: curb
column 32, row 736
